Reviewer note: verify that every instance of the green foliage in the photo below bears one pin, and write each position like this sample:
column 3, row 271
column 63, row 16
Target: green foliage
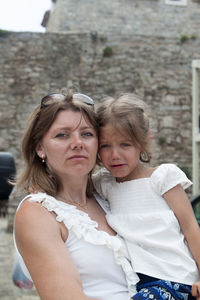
column 161, row 140
column 107, row 52
column 193, row 37
column 184, row 38
column 4, row 33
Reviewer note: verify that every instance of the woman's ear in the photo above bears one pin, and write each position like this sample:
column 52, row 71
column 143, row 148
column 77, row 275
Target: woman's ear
column 39, row 150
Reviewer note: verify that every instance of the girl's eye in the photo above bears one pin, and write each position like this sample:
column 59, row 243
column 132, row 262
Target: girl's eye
column 125, row 145
column 103, row 146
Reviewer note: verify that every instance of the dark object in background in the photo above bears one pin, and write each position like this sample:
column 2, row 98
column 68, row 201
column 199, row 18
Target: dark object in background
column 7, row 171
column 195, row 201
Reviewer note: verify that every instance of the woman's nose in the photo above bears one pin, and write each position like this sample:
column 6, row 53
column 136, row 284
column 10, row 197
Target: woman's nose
column 76, row 143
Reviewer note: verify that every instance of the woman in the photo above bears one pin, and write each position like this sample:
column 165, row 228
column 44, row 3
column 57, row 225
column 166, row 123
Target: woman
column 61, row 231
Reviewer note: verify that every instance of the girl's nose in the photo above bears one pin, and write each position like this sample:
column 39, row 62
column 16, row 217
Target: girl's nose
column 115, row 154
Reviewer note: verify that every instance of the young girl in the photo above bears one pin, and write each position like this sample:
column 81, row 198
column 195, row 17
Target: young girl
column 148, row 206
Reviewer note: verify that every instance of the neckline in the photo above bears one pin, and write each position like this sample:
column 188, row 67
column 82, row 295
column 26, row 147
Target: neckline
column 129, row 181
column 81, row 212
column 95, row 195
column 137, row 179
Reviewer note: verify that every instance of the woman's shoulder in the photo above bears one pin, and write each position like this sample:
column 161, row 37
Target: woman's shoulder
column 39, row 212
column 30, row 204
column 35, row 224
column 46, row 207
column 31, row 212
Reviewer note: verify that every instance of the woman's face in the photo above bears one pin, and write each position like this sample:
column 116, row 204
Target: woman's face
column 70, row 145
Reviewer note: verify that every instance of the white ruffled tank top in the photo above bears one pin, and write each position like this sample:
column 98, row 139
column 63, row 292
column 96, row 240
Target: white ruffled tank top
column 99, row 257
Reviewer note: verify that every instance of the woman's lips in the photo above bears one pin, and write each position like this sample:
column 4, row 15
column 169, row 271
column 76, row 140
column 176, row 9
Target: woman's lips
column 77, row 157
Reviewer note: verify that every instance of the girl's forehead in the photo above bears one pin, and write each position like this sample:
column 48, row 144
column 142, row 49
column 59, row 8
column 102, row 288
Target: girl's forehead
column 114, row 131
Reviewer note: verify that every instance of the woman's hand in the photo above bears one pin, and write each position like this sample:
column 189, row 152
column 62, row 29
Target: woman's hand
column 196, row 290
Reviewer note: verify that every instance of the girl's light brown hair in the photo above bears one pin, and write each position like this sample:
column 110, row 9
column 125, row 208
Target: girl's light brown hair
column 36, row 174
column 127, row 114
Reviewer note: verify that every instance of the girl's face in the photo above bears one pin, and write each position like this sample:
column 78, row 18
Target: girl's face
column 69, row 146
column 118, row 153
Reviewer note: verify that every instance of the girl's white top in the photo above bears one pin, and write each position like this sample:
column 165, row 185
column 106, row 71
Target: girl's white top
column 152, row 233
column 100, row 258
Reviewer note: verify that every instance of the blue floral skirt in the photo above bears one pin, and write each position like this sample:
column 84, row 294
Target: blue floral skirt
column 162, row 290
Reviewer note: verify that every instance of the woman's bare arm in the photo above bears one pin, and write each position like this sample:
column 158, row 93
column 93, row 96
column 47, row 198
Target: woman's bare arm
column 39, row 240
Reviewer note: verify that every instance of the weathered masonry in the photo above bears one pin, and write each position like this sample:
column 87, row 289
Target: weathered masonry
column 157, row 68
column 116, row 17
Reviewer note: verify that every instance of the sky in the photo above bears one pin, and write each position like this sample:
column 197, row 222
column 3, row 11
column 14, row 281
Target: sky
column 23, row 15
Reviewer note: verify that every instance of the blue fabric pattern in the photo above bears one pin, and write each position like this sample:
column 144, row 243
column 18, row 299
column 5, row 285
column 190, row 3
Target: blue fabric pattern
column 163, row 290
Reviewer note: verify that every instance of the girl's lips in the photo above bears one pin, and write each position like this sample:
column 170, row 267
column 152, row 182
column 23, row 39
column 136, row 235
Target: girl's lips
column 117, row 166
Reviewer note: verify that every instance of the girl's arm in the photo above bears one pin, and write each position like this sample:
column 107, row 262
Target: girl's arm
column 178, row 201
column 40, row 240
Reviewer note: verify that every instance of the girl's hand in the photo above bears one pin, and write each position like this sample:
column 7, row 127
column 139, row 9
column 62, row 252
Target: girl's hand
column 196, row 290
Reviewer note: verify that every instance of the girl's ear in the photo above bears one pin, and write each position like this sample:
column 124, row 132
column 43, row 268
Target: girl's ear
column 39, row 150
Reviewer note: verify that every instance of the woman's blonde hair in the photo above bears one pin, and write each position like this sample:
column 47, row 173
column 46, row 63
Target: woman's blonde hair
column 36, row 175
column 127, row 114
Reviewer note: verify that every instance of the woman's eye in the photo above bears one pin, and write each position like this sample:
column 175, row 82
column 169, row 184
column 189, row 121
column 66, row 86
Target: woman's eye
column 61, row 135
column 88, row 133
column 125, row 145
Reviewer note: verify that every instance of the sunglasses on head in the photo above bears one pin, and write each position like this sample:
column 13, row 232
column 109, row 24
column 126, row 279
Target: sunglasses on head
column 55, row 98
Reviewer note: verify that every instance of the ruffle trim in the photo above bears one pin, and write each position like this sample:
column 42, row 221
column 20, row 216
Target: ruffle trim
column 83, row 227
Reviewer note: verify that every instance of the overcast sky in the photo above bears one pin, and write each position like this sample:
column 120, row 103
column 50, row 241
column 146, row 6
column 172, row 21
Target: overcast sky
column 23, row 15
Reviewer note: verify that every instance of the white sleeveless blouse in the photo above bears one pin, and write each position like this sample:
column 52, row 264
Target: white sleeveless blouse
column 99, row 257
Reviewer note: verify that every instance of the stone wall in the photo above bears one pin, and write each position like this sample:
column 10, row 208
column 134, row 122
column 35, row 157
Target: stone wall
column 156, row 68
column 146, row 17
